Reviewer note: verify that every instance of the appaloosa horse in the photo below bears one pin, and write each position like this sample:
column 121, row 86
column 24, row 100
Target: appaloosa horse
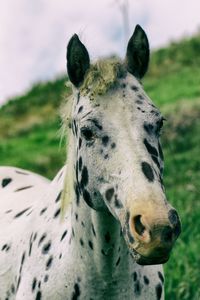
column 103, row 226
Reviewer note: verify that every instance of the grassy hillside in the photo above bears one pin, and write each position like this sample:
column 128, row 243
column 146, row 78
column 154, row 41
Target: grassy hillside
column 29, row 138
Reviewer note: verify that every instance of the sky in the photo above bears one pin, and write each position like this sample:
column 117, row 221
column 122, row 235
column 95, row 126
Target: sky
column 34, row 33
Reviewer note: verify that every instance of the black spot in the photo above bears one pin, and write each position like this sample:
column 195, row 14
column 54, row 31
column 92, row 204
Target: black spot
column 127, row 218
column 46, row 248
column 6, row 181
column 22, row 262
column 79, row 143
column 148, row 128
column 21, row 173
column 76, row 292
column 42, row 239
column 76, row 216
column 160, row 275
column 147, row 170
column 30, row 245
column 140, row 97
column 46, row 278
column 123, row 85
column 57, row 212
column 21, row 212
column 155, row 159
column 90, row 245
column 35, row 236
column 38, row 296
column 6, row 247
column 106, row 156
column 78, row 98
column 107, row 237
column 12, row 288
column 23, row 188
column 76, row 171
column 113, row 145
column 134, row 276
column 43, row 211
column 134, row 88
column 80, row 163
column 81, row 242
column 109, row 194
column 158, row 291
column 139, row 102
column 118, row 203
column 75, row 127
column 96, row 123
column 146, row 280
column 105, row 140
column 76, row 187
column 18, row 282
column 87, row 198
column 152, row 150
column 60, row 175
column 63, row 235
column 80, row 109
column 118, row 261
column 58, row 197
column 49, row 262
column 130, row 237
column 93, row 230
column 34, row 284
column 137, row 287
column 84, row 177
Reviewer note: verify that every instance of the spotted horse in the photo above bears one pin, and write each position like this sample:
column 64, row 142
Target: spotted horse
column 103, row 227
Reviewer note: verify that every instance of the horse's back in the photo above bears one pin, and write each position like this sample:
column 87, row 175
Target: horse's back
column 19, row 187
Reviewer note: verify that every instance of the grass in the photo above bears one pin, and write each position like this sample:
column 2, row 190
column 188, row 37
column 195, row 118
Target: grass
column 37, row 150
column 29, row 138
column 182, row 176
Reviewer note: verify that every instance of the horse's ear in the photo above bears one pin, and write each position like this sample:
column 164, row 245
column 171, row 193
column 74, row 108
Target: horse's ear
column 137, row 55
column 78, row 61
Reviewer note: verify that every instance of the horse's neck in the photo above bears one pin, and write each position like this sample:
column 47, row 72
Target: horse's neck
column 98, row 242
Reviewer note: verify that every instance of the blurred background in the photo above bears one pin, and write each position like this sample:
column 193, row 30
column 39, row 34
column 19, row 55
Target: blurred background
column 33, row 39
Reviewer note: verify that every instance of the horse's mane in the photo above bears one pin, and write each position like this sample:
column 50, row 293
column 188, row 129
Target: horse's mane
column 101, row 77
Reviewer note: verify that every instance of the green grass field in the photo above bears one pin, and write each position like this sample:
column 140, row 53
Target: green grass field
column 30, row 138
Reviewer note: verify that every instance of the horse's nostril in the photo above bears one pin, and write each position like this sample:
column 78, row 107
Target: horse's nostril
column 167, row 234
column 139, row 227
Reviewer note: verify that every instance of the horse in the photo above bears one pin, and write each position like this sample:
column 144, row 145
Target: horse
column 102, row 228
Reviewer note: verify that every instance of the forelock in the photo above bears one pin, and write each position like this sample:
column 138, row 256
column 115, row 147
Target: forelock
column 102, row 76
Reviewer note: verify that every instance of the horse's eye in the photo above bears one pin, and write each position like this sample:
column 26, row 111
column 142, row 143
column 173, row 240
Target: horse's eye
column 87, row 134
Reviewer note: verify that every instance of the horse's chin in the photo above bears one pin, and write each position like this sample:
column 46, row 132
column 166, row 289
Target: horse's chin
column 145, row 261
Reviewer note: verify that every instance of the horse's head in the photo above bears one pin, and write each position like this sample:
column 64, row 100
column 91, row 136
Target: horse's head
column 119, row 161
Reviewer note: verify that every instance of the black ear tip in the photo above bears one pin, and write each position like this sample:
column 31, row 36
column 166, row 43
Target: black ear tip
column 138, row 28
column 75, row 37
